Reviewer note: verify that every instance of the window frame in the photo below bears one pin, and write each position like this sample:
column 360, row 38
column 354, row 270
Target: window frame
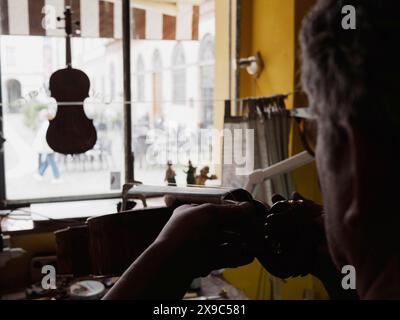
column 127, row 138
column 2, row 140
column 206, row 44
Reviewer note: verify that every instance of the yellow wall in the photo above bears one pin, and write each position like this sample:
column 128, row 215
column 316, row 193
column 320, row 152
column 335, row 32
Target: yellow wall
column 223, row 83
column 271, row 27
column 272, row 34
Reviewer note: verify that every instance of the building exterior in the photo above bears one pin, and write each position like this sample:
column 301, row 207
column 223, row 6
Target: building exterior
column 172, row 81
column 172, row 88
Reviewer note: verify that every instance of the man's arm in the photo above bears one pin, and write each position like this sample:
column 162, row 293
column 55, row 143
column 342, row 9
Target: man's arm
column 195, row 241
column 161, row 272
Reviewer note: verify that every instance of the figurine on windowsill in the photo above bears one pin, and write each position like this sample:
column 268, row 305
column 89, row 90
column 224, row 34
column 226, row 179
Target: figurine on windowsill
column 170, row 175
column 190, row 174
column 203, row 177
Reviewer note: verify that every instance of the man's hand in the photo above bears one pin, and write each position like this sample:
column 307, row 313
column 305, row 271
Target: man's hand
column 211, row 237
column 294, row 237
column 196, row 240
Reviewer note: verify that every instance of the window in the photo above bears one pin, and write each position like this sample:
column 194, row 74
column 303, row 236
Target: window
column 140, row 80
column 180, row 88
column 11, row 60
column 29, row 172
column 112, row 81
column 172, row 73
column 13, row 94
column 157, row 85
column 207, row 80
column 178, row 75
column 157, row 63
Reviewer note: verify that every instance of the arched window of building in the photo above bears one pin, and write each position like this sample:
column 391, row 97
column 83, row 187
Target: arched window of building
column 207, row 76
column 178, row 75
column 13, row 87
column 112, row 81
column 140, row 80
column 157, row 85
column 157, row 61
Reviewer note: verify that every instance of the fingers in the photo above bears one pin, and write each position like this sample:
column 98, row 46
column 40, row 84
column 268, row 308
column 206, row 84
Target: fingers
column 235, row 217
column 239, row 195
column 173, row 201
column 230, row 214
column 228, row 223
column 297, row 196
column 223, row 256
column 228, row 236
column 277, row 198
column 223, row 214
column 231, row 256
column 246, row 218
column 294, row 196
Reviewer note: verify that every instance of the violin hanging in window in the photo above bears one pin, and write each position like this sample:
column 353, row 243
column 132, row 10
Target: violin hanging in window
column 71, row 131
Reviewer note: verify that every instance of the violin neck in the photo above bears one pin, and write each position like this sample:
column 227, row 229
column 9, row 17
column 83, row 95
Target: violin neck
column 68, row 51
column 68, row 31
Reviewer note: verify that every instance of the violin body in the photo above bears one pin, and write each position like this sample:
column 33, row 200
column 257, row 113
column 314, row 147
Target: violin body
column 71, row 131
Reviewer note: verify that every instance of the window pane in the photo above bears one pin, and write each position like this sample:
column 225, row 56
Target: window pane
column 179, row 56
column 33, row 170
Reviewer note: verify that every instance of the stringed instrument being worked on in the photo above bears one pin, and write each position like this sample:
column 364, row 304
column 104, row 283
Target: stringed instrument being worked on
column 108, row 244
column 71, row 131
column 285, row 238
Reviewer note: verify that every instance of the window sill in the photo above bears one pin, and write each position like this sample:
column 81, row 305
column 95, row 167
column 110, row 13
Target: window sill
column 49, row 217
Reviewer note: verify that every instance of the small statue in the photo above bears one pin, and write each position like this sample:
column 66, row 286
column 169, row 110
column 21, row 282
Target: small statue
column 203, row 177
column 191, row 174
column 170, row 175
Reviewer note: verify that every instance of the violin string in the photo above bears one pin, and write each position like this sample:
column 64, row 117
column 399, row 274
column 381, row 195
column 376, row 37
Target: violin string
column 74, row 103
column 117, row 102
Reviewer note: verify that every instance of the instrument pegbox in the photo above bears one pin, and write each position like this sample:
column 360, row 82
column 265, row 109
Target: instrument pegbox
column 71, row 27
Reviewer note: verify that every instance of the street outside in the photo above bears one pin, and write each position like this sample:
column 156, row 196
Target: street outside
column 86, row 174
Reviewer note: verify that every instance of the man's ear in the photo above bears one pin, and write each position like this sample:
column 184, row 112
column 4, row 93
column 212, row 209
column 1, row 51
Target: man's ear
column 371, row 218
column 357, row 171
column 365, row 168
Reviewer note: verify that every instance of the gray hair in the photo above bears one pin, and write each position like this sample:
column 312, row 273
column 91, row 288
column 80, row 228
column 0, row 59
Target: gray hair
column 353, row 74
